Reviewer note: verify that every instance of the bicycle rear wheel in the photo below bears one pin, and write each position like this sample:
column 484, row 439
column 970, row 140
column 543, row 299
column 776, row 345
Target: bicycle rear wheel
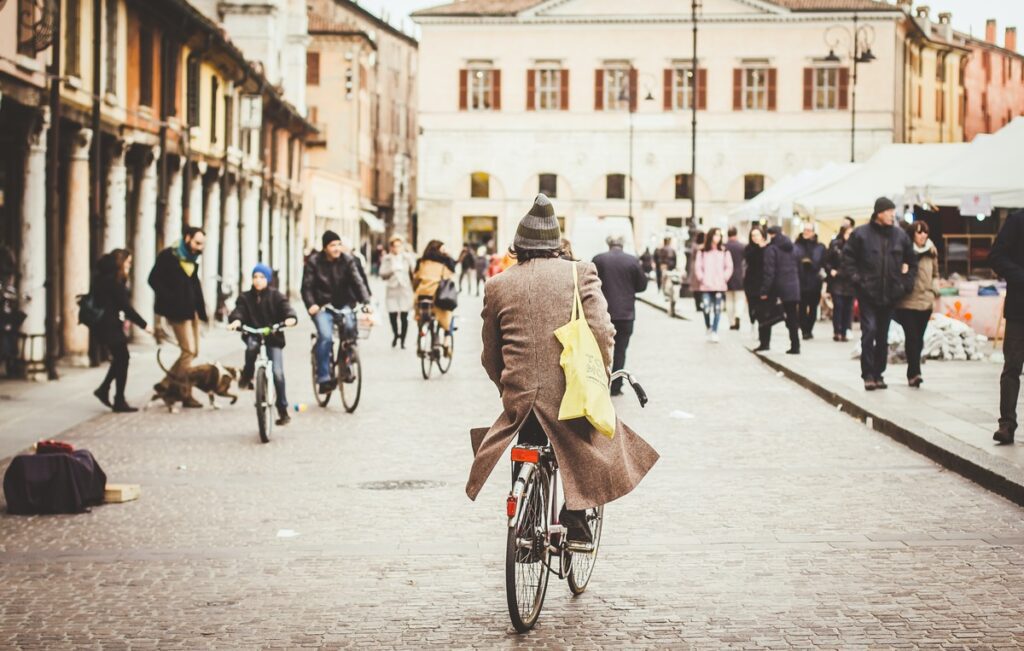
column 351, row 391
column 321, row 398
column 445, row 352
column 264, row 418
column 581, row 565
column 526, row 557
column 423, row 350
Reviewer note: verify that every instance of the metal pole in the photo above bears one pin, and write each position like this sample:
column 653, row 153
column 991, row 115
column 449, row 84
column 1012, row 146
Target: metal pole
column 693, row 120
column 53, row 200
column 853, row 104
column 629, row 181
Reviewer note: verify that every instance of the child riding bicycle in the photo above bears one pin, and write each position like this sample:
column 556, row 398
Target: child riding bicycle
column 262, row 307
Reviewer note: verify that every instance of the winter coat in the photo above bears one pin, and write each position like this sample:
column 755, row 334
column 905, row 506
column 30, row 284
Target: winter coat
column 753, row 274
column 713, row 269
column 811, row 255
column 926, row 283
column 262, row 309
column 839, row 284
column 179, row 297
column 781, row 274
column 522, row 309
column 1007, row 259
column 338, row 282
column 873, row 259
column 111, row 295
column 735, row 249
column 427, row 277
column 666, row 255
column 622, row 279
column 396, row 270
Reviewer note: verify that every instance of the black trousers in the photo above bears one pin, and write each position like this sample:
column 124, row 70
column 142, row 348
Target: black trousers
column 623, row 331
column 914, row 323
column 874, row 339
column 399, row 324
column 1009, row 381
column 792, row 310
column 809, row 311
column 531, row 433
column 117, row 374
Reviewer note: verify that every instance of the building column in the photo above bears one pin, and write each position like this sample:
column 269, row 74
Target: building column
column 172, row 223
column 75, row 251
column 266, row 225
column 32, row 258
column 211, row 253
column 250, row 222
column 195, row 199
column 144, row 245
column 115, row 214
column 229, row 260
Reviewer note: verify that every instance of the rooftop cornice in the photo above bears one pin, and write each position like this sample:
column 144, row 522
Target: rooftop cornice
column 681, row 19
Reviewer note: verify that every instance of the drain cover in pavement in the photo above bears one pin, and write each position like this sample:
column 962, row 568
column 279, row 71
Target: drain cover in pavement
column 400, row 484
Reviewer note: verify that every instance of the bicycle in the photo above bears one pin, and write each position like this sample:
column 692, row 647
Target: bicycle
column 344, row 356
column 535, row 535
column 434, row 344
column 263, row 380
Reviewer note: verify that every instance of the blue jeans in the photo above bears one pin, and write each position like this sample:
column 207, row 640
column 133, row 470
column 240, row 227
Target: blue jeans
column 712, row 307
column 276, row 355
column 324, row 322
column 874, row 339
column 842, row 314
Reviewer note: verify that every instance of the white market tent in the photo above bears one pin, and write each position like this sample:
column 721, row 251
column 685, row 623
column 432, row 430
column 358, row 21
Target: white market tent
column 777, row 201
column 887, row 173
column 989, row 166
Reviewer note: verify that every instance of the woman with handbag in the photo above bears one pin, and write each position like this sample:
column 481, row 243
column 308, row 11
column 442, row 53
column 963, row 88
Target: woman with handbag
column 432, row 269
column 523, row 307
column 396, row 269
column 110, row 293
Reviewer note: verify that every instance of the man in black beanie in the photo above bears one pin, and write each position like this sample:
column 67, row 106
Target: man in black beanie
column 880, row 261
column 331, row 277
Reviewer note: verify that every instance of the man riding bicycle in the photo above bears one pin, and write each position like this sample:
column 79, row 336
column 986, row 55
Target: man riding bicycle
column 331, row 277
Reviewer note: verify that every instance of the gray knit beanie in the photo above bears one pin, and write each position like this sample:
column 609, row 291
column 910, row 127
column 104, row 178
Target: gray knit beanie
column 539, row 228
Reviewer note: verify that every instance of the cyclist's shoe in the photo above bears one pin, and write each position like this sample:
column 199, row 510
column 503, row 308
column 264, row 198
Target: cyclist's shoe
column 577, row 527
column 328, row 386
column 282, row 416
column 347, row 376
column 245, row 382
column 191, row 403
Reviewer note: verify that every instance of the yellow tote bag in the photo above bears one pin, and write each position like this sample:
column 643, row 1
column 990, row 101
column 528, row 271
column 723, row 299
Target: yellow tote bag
column 586, row 379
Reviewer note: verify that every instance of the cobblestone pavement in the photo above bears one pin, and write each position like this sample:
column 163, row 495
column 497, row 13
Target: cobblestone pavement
column 771, row 521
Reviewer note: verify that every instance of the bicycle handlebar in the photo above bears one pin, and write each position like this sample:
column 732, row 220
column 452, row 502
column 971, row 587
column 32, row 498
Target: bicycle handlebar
column 264, row 331
column 365, row 307
column 641, row 395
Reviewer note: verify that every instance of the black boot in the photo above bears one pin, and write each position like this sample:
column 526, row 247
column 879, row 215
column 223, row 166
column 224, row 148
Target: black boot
column 283, row 418
column 103, row 395
column 577, row 527
column 122, row 407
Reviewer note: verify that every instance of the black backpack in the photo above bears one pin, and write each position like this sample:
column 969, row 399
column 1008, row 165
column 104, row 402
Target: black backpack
column 89, row 311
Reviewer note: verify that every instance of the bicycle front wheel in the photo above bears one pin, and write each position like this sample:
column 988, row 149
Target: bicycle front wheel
column 581, row 565
column 263, row 416
column 447, row 349
column 351, row 391
column 526, row 557
column 423, row 350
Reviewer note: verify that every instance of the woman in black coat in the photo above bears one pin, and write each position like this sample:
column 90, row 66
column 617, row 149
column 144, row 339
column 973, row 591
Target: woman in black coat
column 839, row 286
column 110, row 291
column 753, row 274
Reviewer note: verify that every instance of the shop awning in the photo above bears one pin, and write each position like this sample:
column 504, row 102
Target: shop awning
column 372, row 221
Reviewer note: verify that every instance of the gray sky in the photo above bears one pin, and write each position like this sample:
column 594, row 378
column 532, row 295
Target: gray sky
column 968, row 15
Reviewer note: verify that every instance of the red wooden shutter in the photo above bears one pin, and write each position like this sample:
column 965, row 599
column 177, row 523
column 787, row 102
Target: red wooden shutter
column 702, row 89
column 496, row 89
column 599, row 90
column 531, row 90
column 632, row 89
column 667, row 88
column 808, row 89
column 564, row 90
column 463, row 90
column 844, row 88
column 737, row 89
column 771, row 89
column 312, row 68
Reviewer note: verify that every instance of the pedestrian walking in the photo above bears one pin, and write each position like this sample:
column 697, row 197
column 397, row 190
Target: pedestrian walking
column 483, row 259
column 879, row 259
column 647, row 261
column 753, row 275
column 360, row 262
column 522, row 307
column 840, row 287
column 434, row 266
column 179, row 299
column 467, row 265
column 396, row 270
column 110, row 293
column 735, row 286
column 263, row 307
column 781, row 284
column 712, row 270
column 622, row 278
column 812, row 259
column 376, row 258
column 915, row 309
column 696, row 244
column 1007, row 259
column 665, row 259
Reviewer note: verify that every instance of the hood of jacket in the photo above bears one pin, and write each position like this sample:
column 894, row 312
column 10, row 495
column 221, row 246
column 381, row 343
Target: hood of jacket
column 782, row 242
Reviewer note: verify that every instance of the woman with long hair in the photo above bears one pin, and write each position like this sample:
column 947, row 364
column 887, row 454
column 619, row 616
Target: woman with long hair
column 839, row 286
column 915, row 309
column 434, row 266
column 753, row 277
column 396, row 269
column 712, row 270
column 110, row 291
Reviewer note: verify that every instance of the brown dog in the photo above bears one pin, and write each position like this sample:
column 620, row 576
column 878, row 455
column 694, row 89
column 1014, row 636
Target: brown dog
column 212, row 379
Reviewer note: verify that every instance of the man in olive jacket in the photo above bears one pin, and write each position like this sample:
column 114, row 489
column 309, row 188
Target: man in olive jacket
column 1007, row 259
column 879, row 260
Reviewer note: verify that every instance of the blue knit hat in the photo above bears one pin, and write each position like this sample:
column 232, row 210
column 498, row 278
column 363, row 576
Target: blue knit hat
column 261, row 268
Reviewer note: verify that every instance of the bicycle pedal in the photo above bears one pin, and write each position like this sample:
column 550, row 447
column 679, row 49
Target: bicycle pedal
column 580, row 547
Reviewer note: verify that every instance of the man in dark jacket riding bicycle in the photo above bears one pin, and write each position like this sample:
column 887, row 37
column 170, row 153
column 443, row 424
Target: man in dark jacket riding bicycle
column 331, row 277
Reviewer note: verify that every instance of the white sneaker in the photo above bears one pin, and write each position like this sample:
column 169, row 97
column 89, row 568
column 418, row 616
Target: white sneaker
column 714, row 338
column 707, row 334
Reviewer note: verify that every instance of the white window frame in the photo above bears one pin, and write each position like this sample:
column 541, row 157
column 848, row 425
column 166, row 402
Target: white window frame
column 480, row 88
column 683, row 88
column 548, row 88
column 825, row 89
column 754, row 88
column 616, row 80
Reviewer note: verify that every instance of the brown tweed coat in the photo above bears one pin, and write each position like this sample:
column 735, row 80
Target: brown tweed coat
column 523, row 306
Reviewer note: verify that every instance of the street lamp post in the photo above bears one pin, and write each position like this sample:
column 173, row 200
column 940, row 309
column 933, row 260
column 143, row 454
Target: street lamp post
column 626, row 95
column 693, row 115
column 860, row 55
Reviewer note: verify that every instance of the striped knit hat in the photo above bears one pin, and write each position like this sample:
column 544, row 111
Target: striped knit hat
column 539, row 228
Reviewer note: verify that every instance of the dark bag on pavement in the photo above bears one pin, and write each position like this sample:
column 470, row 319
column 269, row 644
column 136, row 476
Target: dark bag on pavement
column 447, row 296
column 771, row 313
column 89, row 313
column 53, row 483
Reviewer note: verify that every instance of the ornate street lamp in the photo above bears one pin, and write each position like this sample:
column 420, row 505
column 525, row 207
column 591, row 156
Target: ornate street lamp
column 861, row 39
column 625, row 96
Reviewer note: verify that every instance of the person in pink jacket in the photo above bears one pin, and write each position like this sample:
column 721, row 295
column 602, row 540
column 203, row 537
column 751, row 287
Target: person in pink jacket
column 712, row 269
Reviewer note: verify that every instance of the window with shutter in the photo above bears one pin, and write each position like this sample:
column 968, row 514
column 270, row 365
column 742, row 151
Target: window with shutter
column 684, row 186
column 531, row 89
column 772, row 75
column 824, row 91
column 483, row 89
column 702, row 89
column 615, row 186
column 110, row 15
column 192, row 92
column 548, row 185
column 756, row 89
column 565, row 90
column 214, row 100
column 496, row 90
column 599, row 90
column 681, row 88
column 753, row 185
column 312, row 68
column 463, row 89
column 616, row 86
column 480, row 185
column 544, row 89
column 72, row 22
column 145, row 67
